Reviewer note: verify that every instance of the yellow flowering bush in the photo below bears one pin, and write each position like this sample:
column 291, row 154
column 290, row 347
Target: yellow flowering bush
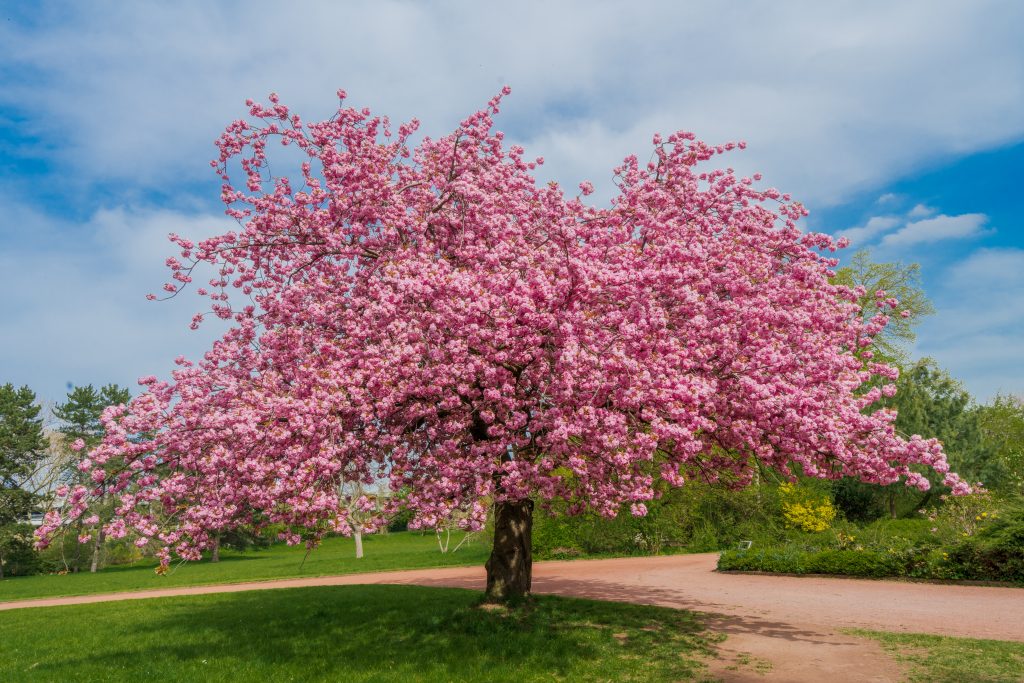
column 804, row 510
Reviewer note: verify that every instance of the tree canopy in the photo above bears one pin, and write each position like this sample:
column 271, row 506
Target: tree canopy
column 898, row 280
column 22, row 447
column 433, row 317
column 81, row 412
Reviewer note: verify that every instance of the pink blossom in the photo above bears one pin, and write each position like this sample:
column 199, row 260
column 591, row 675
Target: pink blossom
column 433, row 316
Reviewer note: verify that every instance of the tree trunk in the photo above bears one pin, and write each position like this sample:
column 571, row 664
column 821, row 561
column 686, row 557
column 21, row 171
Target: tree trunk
column 1, row 564
column 510, row 567
column 892, row 504
column 76, row 561
column 97, row 548
column 358, row 535
column 215, row 549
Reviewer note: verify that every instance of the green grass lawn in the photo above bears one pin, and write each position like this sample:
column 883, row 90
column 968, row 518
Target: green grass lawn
column 404, row 550
column 941, row 659
column 352, row 633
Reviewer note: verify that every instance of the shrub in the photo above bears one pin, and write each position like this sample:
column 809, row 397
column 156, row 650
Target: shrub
column 996, row 551
column 805, row 510
column 789, row 560
column 961, row 517
column 555, row 535
column 16, row 551
column 700, row 517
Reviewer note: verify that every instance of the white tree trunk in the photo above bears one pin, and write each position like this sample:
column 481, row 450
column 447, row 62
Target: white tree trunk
column 97, row 548
column 358, row 535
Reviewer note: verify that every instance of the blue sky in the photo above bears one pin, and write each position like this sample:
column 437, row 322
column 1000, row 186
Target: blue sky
column 898, row 124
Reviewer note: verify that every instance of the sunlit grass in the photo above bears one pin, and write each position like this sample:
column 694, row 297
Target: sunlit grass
column 942, row 659
column 404, row 550
column 352, row 634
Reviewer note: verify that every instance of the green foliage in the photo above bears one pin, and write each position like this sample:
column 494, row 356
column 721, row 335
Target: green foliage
column 400, row 522
column 81, row 412
column 996, row 550
column 80, row 417
column 21, row 435
column 1002, row 429
column 697, row 517
column 899, row 280
column 790, row 560
column 917, row 529
column 940, row 659
column 961, row 517
column 973, row 537
column 245, row 538
column 337, row 633
column 22, row 446
column 933, row 404
column 405, row 550
column 16, row 552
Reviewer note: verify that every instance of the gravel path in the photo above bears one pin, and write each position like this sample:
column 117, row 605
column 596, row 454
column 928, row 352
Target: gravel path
column 790, row 622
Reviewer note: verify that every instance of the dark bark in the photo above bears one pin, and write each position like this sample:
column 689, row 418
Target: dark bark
column 215, row 549
column 510, row 567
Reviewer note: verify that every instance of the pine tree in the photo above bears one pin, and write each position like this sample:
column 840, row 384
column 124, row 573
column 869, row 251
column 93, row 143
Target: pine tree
column 80, row 415
column 22, row 446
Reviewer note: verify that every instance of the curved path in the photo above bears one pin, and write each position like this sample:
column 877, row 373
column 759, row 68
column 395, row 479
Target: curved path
column 791, row 622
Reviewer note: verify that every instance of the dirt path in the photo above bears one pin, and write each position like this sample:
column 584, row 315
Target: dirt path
column 790, row 622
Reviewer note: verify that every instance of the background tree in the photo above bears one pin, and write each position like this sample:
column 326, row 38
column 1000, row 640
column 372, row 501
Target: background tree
column 1002, row 428
column 933, row 404
column 898, row 280
column 432, row 317
column 892, row 346
column 80, row 416
column 22, row 448
column 360, row 510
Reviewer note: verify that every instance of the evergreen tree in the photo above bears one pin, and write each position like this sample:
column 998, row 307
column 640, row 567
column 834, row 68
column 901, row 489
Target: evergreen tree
column 81, row 412
column 22, row 446
column 80, row 415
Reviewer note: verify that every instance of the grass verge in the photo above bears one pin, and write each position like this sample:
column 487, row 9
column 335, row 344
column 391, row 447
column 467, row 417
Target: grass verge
column 942, row 659
column 403, row 550
column 352, row 633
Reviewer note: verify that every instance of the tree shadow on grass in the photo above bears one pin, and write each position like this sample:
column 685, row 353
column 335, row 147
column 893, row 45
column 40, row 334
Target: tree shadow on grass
column 645, row 595
column 375, row 633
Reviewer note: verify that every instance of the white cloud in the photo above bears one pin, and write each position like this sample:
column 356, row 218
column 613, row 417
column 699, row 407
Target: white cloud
column 931, row 229
column 78, row 314
column 921, row 211
column 979, row 325
column 998, row 272
column 875, row 226
column 941, row 227
column 832, row 98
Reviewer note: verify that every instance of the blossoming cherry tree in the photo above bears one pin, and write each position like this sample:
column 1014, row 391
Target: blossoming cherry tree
column 431, row 317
